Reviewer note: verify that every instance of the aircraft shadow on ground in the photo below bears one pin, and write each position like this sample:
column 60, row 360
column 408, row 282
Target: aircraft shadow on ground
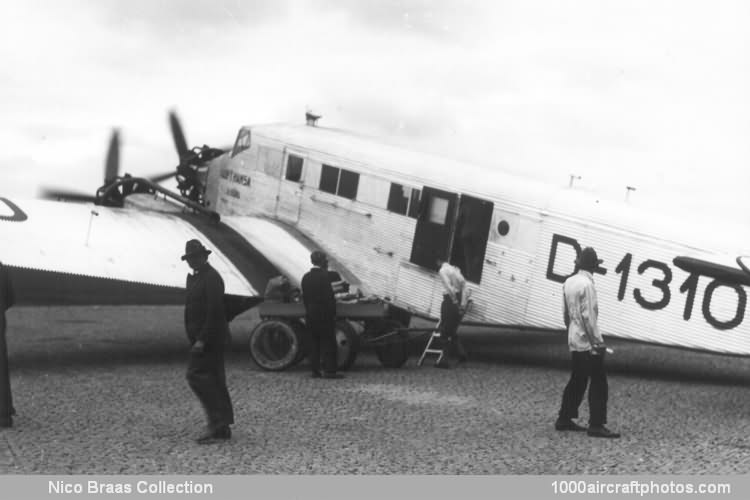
column 548, row 351
column 630, row 359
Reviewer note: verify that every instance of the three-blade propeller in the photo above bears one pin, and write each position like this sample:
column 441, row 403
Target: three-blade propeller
column 196, row 157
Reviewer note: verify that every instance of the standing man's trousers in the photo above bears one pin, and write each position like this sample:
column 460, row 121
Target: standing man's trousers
column 6, row 398
column 450, row 317
column 207, row 379
column 323, row 336
column 586, row 366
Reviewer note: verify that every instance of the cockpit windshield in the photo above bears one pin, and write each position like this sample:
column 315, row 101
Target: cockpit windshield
column 242, row 143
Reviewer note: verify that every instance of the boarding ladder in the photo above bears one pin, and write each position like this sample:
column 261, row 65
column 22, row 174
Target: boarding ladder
column 434, row 336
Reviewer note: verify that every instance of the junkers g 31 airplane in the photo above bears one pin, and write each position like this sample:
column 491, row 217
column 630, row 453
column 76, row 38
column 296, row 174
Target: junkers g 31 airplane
column 384, row 215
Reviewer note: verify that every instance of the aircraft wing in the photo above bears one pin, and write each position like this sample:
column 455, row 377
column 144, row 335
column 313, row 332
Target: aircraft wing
column 62, row 253
column 286, row 249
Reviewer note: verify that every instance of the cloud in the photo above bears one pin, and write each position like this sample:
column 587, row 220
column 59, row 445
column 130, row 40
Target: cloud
column 628, row 92
column 167, row 18
column 438, row 20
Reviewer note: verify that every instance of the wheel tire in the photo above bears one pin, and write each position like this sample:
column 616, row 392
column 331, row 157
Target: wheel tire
column 347, row 344
column 274, row 345
column 394, row 352
column 303, row 337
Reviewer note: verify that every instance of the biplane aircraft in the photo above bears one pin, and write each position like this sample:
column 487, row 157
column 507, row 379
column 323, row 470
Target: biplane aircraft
column 384, row 214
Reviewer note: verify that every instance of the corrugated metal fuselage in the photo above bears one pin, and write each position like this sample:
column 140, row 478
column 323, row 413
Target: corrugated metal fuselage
column 527, row 249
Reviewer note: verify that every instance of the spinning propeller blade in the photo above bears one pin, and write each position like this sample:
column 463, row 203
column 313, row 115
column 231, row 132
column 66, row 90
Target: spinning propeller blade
column 177, row 135
column 112, row 165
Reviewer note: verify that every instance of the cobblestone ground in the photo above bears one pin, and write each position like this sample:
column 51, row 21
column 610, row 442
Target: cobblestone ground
column 102, row 390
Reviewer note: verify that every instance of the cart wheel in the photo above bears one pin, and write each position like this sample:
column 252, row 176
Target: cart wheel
column 347, row 345
column 393, row 352
column 303, row 338
column 274, row 345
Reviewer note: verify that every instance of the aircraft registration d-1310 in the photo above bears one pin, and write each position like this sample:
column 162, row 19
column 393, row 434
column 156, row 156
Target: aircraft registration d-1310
column 384, row 215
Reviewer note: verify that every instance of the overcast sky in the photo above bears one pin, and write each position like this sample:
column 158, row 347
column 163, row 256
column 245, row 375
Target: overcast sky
column 654, row 94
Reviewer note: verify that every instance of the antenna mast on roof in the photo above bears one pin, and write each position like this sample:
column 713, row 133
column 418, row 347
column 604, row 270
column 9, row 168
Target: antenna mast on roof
column 311, row 118
column 628, row 190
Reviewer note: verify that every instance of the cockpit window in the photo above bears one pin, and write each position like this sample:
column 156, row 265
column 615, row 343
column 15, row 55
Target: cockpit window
column 242, row 143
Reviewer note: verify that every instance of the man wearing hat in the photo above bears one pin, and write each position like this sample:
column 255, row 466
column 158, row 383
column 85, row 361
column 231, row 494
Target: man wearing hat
column 581, row 311
column 320, row 315
column 208, row 332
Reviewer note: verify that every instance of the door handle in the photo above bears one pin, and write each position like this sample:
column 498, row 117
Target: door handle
column 381, row 251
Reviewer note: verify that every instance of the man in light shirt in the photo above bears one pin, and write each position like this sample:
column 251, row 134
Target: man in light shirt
column 451, row 310
column 581, row 311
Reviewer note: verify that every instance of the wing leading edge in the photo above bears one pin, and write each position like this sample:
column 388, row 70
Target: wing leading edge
column 67, row 253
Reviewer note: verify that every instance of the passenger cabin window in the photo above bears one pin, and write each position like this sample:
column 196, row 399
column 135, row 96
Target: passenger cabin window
column 338, row 181
column 348, row 184
column 438, row 210
column 404, row 200
column 329, row 179
column 242, row 143
column 294, row 168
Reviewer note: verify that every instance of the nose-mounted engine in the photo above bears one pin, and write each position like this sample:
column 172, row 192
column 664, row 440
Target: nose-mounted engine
column 191, row 174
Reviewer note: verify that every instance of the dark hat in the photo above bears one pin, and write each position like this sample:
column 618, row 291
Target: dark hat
column 195, row 247
column 318, row 258
column 588, row 259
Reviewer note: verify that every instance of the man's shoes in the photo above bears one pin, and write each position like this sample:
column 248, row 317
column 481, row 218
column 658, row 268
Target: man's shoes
column 602, row 432
column 212, row 435
column 463, row 359
column 316, row 374
column 332, row 375
column 444, row 365
column 568, row 425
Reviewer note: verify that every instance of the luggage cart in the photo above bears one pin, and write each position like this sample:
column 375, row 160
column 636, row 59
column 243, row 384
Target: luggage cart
column 281, row 339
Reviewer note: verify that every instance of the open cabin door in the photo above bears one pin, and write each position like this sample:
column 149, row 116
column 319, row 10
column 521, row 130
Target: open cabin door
column 470, row 237
column 289, row 197
column 434, row 231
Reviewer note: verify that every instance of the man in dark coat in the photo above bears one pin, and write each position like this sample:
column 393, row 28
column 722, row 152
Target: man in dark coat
column 6, row 400
column 208, row 331
column 320, row 315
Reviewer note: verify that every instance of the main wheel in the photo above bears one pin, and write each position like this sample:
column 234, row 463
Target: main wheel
column 274, row 345
column 347, row 345
column 303, row 337
column 392, row 351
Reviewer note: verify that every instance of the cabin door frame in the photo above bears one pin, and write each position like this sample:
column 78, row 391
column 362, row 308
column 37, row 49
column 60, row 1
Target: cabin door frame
column 289, row 195
column 433, row 234
column 471, row 233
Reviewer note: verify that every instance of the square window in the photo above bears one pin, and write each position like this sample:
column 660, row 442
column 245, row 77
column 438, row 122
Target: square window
column 397, row 199
column 438, row 210
column 329, row 178
column 294, row 168
column 348, row 184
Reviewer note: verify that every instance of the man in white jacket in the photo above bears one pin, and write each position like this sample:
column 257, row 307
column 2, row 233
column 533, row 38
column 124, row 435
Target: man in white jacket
column 581, row 312
column 452, row 310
